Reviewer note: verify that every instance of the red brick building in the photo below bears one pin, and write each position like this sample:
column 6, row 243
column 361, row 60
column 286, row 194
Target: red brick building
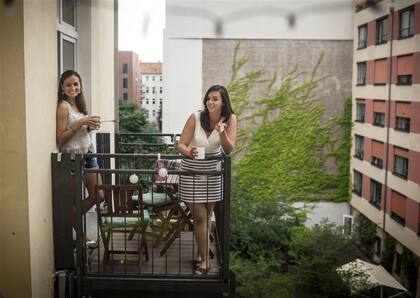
column 128, row 78
column 386, row 133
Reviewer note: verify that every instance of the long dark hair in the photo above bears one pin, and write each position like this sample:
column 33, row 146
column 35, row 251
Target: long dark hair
column 80, row 99
column 226, row 107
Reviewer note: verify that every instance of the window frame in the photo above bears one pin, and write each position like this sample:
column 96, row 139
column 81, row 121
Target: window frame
column 125, row 96
column 381, row 38
column 362, row 43
column 410, row 29
column 125, row 83
column 405, row 80
column 359, row 153
column 125, row 68
column 402, row 129
column 68, row 32
column 355, row 190
column 348, row 219
column 377, row 162
column 405, row 161
column 374, row 200
column 382, row 116
column 358, row 108
column 361, row 80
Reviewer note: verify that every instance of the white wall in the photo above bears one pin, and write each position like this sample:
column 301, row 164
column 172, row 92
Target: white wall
column 182, row 89
column 315, row 19
column 40, row 36
column 332, row 211
column 188, row 22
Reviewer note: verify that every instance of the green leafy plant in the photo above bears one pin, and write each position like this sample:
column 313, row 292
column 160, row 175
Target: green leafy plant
column 283, row 144
column 365, row 232
column 388, row 253
column 409, row 264
column 281, row 153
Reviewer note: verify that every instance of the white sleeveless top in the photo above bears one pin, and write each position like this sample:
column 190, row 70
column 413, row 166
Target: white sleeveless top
column 200, row 139
column 80, row 142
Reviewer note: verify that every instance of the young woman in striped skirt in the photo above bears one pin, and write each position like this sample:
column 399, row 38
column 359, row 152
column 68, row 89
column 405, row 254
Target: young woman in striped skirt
column 214, row 128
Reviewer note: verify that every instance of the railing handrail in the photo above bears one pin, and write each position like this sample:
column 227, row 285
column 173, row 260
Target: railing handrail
column 151, row 134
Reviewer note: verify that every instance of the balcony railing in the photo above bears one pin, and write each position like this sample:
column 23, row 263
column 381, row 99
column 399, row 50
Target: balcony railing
column 115, row 264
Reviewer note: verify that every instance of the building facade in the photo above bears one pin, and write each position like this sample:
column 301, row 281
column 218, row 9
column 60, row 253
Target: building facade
column 205, row 43
column 386, row 133
column 151, row 90
column 38, row 41
column 128, row 81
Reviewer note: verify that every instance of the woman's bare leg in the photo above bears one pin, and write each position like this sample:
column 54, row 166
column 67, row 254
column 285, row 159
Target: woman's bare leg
column 91, row 180
column 199, row 211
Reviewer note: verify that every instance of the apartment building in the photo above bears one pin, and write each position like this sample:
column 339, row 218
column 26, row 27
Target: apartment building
column 151, row 89
column 128, row 84
column 385, row 161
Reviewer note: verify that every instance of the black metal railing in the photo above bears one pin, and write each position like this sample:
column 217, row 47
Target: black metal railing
column 171, row 247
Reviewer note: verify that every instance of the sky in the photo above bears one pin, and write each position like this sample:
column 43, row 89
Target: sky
column 140, row 28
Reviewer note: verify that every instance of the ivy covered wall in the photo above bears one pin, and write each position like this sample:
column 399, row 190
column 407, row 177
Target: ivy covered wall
column 284, row 141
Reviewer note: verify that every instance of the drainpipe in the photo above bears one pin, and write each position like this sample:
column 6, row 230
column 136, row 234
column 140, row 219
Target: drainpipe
column 391, row 37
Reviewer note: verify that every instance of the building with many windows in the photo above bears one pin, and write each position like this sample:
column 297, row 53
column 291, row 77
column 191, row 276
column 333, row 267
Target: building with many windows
column 151, row 89
column 128, row 84
column 386, row 133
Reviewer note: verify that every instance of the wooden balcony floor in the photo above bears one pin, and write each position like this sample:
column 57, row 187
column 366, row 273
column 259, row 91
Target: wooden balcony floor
column 178, row 259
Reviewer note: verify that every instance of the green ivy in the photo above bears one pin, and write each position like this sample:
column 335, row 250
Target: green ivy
column 409, row 264
column 283, row 144
column 282, row 147
column 365, row 231
column 388, row 253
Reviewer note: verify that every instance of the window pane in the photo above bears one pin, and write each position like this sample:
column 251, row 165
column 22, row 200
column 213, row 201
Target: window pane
column 125, row 68
column 357, row 183
column 68, row 8
column 403, row 123
column 401, row 164
column 68, row 55
column 360, row 115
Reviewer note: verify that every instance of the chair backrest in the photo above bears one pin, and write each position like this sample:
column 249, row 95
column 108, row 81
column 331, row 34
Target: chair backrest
column 119, row 200
column 169, row 164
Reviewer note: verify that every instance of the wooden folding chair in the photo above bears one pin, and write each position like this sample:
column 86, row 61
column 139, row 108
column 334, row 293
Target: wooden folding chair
column 123, row 216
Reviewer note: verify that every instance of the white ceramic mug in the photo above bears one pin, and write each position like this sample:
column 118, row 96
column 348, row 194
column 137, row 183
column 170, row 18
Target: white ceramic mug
column 201, row 153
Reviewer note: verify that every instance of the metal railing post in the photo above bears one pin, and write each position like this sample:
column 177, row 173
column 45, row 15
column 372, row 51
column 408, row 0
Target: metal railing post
column 226, row 217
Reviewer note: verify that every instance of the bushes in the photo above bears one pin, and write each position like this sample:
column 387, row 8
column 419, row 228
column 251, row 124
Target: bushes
column 282, row 148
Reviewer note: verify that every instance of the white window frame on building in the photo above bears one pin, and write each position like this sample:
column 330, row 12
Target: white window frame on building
column 347, row 224
column 360, row 112
column 362, row 36
column 66, row 33
column 361, row 73
column 357, row 183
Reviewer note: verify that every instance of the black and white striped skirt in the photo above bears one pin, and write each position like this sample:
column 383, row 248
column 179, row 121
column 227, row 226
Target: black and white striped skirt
column 201, row 188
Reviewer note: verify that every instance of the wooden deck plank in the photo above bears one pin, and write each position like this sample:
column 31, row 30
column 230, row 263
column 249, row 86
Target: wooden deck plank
column 178, row 259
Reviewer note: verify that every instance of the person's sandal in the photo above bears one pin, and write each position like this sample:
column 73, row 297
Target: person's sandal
column 92, row 244
column 201, row 271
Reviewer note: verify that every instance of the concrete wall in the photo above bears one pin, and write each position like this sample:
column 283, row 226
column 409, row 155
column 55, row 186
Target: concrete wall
column 102, row 64
column 280, row 56
column 40, row 44
column 28, row 100
column 183, row 80
column 14, row 232
column 316, row 19
column 263, row 29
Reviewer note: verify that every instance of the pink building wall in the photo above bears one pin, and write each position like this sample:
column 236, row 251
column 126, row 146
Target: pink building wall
column 133, row 91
